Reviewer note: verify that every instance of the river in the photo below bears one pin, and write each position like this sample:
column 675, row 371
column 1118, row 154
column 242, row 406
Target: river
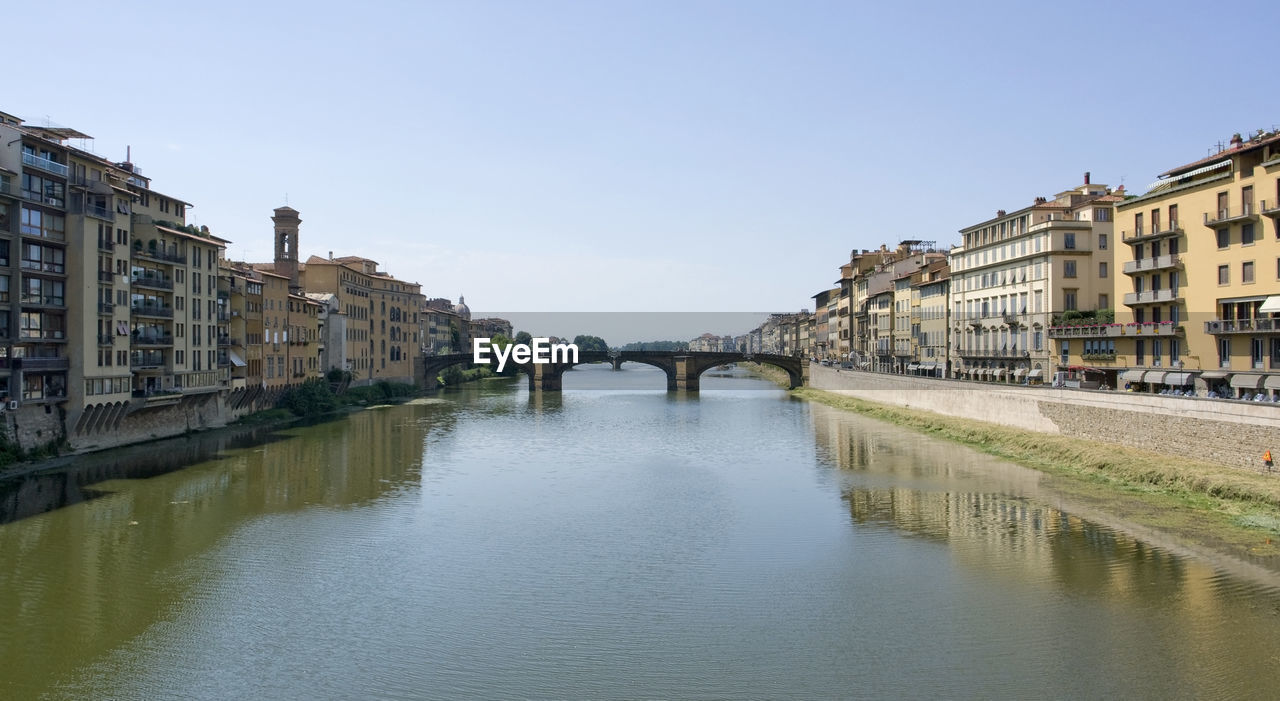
column 610, row 541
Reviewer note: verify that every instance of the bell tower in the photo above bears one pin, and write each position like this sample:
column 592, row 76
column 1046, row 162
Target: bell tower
column 286, row 223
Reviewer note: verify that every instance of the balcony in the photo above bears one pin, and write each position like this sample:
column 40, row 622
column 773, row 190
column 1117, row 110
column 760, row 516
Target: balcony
column 994, row 353
column 106, row 276
column 1098, row 357
column 151, row 339
column 38, row 335
column 236, row 342
column 153, row 281
column 1143, row 265
column 6, row 188
column 35, row 300
column 45, row 164
column 1229, row 326
column 224, row 340
column 145, row 360
column 46, row 234
column 1151, row 328
column 105, row 339
column 1140, row 235
column 30, row 364
column 162, row 256
column 105, row 308
column 1229, row 216
column 1150, row 297
column 1272, row 210
column 92, row 210
column 1090, row 331
column 156, row 310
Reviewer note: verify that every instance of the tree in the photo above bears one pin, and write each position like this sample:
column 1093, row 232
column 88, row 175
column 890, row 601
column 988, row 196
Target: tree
column 590, row 343
column 524, row 337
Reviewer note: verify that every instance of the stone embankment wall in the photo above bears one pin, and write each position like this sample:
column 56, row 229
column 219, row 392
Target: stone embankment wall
column 1223, row 432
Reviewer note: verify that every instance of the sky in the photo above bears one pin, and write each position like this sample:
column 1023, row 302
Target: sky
column 649, row 156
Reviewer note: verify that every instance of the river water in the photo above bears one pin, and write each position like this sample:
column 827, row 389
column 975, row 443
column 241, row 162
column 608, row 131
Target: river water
column 603, row 543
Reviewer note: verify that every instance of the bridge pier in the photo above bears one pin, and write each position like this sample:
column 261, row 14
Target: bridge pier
column 545, row 377
column 686, row 374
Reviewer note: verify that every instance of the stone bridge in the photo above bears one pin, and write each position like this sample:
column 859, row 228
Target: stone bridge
column 683, row 368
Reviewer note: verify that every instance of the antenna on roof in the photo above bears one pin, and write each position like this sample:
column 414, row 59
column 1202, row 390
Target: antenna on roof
column 286, row 199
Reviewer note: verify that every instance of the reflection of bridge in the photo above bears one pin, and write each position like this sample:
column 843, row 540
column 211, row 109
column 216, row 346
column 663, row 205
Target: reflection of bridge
column 682, row 368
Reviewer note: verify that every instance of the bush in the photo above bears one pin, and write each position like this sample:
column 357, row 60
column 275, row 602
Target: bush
column 311, row 398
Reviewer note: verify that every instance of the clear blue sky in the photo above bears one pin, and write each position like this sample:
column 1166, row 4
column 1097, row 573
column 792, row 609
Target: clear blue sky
column 640, row 156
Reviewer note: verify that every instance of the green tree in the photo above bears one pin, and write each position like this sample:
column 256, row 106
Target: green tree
column 590, row 343
column 524, row 337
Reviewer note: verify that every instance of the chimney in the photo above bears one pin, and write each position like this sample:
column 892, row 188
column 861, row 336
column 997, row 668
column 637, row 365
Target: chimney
column 1000, row 212
column 1040, row 200
column 330, row 255
column 1120, row 190
column 1086, row 177
column 1236, row 141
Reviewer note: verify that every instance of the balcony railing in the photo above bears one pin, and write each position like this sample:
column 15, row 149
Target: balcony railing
column 92, row 210
column 1090, row 331
column 995, row 353
column 159, row 283
column 1272, row 210
column 1170, row 260
column 46, row 164
column 1219, row 326
column 151, row 339
column 106, row 308
column 106, row 276
column 1228, row 215
column 43, row 300
column 107, row 245
column 224, row 340
column 6, row 188
column 1142, row 234
column 43, row 335
column 1151, row 296
column 1098, row 357
column 146, row 359
column 105, row 339
column 152, row 310
column 45, row 364
column 159, row 255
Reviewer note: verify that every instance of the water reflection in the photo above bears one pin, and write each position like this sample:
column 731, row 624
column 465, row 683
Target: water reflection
column 93, row 574
column 1008, row 527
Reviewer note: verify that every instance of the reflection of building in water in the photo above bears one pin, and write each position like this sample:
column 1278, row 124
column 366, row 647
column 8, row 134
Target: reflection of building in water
column 998, row 526
column 127, row 537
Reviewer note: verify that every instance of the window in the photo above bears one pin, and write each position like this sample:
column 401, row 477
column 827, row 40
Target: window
column 1174, row 352
column 1066, row 351
column 1101, row 214
column 1102, row 268
column 43, row 224
column 1069, row 241
column 1173, row 217
column 1069, row 300
column 1102, row 241
column 1224, row 352
column 1246, row 234
column 1256, row 352
column 1156, row 351
column 1224, row 274
column 1140, row 352
column 1224, row 238
column 1137, row 224
column 1069, row 268
column 1246, row 272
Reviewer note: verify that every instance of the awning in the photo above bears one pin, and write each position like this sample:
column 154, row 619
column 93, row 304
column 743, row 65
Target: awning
column 928, row 366
column 1035, row 373
column 1179, row 379
column 1131, row 376
column 1244, row 380
column 1214, row 374
column 999, row 373
column 1271, row 306
column 236, row 360
column 914, row 366
column 1019, row 372
column 1272, row 382
column 1154, row 377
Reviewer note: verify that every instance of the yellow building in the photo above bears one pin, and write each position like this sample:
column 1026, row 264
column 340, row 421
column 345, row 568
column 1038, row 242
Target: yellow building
column 930, row 313
column 275, row 330
column 1014, row 274
column 1201, row 259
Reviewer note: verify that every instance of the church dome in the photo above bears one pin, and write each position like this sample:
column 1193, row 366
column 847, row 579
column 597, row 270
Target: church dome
column 461, row 308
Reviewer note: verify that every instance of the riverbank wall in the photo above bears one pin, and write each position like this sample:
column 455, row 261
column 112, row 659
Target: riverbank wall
column 1228, row 433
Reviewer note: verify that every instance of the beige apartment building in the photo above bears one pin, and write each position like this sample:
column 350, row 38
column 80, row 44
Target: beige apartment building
column 931, row 320
column 1012, row 275
column 1201, row 264
column 110, row 296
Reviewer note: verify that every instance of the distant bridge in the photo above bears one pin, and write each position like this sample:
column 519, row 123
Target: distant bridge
column 683, row 368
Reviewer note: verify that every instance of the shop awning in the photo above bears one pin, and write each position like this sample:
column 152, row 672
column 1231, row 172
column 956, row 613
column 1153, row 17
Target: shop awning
column 1272, row 382
column 914, row 366
column 1214, row 374
column 1019, row 372
column 1245, row 380
column 1035, row 373
column 1271, row 306
column 1154, row 377
column 999, row 373
column 1131, row 376
column 1179, row 379
column 236, row 360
